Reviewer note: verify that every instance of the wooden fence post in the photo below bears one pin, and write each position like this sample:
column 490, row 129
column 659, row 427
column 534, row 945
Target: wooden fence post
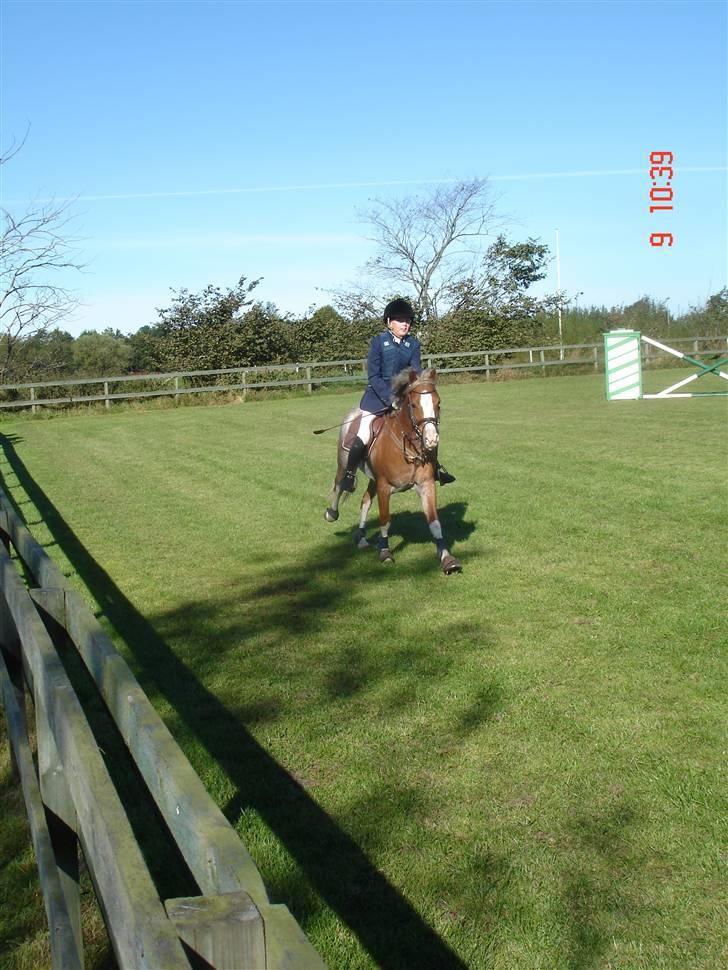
column 487, row 367
column 596, row 358
column 107, row 402
column 176, row 387
column 65, row 941
column 61, row 820
column 34, row 407
column 543, row 362
column 308, row 375
column 226, row 930
column 244, row 375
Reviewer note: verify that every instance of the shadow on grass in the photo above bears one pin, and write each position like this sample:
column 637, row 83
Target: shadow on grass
column 410, row 527
column 593, row 894
column 334, row 864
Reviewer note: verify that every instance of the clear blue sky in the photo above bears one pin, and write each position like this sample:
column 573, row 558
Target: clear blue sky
column 209, row 140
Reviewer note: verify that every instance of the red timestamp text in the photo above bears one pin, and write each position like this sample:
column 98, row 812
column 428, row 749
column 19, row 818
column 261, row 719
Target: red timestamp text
column 661, row 193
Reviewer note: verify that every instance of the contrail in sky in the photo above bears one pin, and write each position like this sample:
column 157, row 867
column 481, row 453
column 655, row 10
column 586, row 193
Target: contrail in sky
column 191, row 193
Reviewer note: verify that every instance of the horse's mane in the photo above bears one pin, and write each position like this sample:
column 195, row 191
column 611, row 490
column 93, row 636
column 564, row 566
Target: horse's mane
column 407, row 378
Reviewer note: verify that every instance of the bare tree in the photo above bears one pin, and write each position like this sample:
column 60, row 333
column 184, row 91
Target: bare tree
column 34, row 246
column 425, row 245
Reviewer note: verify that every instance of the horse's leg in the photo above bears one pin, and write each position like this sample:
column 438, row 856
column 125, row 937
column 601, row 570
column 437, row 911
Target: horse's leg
column 332, row 512
column 385, row 554
column 448, row 562
column 360, row 536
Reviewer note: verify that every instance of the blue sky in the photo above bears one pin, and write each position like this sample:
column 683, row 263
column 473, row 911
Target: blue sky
column 204, row 141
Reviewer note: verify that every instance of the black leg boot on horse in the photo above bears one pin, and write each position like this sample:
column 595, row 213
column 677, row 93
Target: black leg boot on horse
column 356, row 453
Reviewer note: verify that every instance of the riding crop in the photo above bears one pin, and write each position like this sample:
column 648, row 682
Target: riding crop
column 322, row 430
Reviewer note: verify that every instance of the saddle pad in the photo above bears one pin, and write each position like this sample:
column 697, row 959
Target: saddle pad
column 351, row 430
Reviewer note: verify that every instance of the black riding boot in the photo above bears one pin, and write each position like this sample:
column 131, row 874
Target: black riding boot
column 441, row 476
column 356, row 453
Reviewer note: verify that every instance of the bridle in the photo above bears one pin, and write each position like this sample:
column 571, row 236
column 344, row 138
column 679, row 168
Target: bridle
column 418, row 424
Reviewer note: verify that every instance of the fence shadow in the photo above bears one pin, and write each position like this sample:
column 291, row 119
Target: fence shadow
column 385, row 923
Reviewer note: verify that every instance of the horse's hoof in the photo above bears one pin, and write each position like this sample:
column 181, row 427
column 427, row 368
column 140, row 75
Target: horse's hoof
column 385, row 556
column 450, row 565
column 360, row 539
column 331, row 515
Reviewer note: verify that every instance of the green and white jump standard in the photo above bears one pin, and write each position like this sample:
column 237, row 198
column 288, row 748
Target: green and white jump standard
column 622, row 365
column 623, row 368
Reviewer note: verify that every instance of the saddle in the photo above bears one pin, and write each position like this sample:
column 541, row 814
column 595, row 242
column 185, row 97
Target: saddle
column 353, row 427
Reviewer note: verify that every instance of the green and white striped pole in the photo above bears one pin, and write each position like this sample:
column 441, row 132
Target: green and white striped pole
column 622, row 365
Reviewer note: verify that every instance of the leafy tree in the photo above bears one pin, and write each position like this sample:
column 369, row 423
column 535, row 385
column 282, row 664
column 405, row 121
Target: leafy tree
column 319, row 336
column 202, row 331
column 39, row 357
column 644, row 314
column 263, row 337
column 101, row 354
column 146, row 349
column 327, row 335
column 711, row 319
column 491, row 307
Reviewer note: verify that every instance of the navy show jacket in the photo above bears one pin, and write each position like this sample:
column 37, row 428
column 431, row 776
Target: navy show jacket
column 385, row 359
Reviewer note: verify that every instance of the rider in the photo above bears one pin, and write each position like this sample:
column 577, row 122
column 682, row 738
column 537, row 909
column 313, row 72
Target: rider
column 389, row 353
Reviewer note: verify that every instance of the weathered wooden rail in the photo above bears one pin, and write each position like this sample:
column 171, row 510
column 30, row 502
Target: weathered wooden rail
column 242, row 380
column 72, row 802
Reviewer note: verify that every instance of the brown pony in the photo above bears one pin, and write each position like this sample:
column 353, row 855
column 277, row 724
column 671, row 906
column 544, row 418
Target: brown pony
column 402, row 455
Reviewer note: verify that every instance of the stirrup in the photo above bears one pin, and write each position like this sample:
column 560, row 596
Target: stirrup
column 443, row 477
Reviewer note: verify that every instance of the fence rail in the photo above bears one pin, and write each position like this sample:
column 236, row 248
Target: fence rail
column 318, row 373
column 72, row 802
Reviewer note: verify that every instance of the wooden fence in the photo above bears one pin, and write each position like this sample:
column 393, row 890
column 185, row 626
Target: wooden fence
column 72, row 802
column 242, row 380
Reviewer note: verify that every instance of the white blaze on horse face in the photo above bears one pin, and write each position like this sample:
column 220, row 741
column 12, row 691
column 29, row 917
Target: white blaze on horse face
column 429, row 430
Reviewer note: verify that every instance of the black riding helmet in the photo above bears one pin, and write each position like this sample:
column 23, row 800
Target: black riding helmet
column 398, row 310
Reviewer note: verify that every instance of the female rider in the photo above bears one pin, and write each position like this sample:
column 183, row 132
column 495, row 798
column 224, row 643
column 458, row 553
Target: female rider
column 389, row 353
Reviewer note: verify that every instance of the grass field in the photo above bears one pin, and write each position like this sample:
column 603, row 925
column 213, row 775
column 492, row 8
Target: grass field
column 520, row 767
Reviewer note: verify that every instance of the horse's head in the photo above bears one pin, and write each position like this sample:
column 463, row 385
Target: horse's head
column 418, row 396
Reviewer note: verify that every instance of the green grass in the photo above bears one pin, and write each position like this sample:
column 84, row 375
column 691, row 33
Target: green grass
column 525, row 763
